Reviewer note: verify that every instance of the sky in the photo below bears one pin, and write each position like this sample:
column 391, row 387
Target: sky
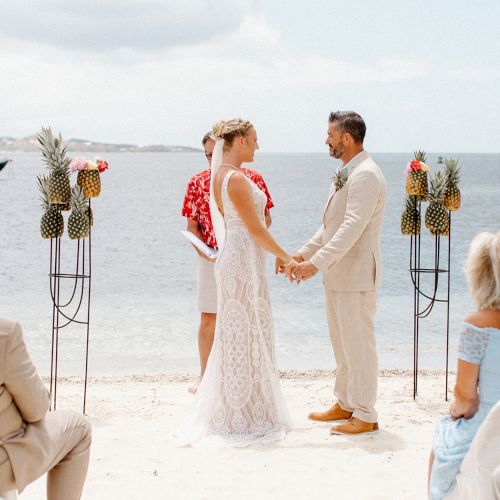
column 423, row 74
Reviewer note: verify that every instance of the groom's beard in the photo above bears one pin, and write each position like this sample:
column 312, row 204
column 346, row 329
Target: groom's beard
column 336, row 152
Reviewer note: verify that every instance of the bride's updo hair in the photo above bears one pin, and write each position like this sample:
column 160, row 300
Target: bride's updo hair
column 229, row 129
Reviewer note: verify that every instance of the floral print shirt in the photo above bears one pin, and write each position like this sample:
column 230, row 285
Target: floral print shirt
column 196, row 201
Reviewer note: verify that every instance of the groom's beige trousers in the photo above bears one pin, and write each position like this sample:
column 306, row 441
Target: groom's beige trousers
column 351, row 323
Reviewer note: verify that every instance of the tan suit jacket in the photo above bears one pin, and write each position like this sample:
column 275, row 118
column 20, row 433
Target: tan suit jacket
column 23, row 399
column 346, row 248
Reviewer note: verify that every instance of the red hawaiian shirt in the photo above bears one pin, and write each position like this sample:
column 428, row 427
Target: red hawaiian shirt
column 196, row 201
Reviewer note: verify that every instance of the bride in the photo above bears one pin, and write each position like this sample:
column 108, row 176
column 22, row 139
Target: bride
column 240, row 395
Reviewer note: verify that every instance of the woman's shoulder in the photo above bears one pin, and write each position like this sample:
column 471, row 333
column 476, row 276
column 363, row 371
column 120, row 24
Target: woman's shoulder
column 484, row 319
column 237, row 181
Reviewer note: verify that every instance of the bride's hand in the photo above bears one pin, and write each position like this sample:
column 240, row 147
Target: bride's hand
column 279, row 266
column 288, row 269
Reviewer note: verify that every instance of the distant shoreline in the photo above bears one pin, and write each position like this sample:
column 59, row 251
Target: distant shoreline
column 30, row 144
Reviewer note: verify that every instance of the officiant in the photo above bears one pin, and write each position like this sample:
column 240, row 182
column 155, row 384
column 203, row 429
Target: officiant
column 197, row 212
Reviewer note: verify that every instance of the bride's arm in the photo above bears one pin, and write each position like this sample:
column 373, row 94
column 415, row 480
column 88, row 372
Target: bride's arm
column 241, row 195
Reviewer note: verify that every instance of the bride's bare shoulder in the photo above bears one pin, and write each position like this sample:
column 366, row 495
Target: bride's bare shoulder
column 238, row 185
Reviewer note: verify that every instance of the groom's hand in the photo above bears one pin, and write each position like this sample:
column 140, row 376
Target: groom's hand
column 304, row 271
column 279, row 267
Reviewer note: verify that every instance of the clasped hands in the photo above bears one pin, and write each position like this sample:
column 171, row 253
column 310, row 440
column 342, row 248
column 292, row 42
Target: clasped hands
column 298, row 270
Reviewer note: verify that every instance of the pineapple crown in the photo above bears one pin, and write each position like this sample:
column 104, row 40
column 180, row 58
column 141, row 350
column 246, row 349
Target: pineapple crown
column 78, row 202
column 451, row 172
column 44, row 191
column 53, row 151
column 410, row 203
column 419, row 155
column 437, row 188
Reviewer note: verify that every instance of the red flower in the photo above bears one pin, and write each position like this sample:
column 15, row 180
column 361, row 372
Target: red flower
column 102, row 165
column 414, row 166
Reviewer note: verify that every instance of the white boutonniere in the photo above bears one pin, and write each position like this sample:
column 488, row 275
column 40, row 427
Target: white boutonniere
column 339, row 179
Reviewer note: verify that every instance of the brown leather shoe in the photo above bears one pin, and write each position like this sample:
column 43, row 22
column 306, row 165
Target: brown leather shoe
column 354, row 426
column 334, row 413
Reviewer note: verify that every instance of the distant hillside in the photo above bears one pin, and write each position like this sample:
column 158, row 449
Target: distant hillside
column 30, row 144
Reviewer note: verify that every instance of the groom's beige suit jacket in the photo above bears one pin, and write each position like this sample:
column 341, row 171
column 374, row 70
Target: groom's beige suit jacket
column 346, row 248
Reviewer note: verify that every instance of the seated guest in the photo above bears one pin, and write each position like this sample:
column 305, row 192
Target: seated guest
column 477, row 388
column 33, row 441
column 475, row 479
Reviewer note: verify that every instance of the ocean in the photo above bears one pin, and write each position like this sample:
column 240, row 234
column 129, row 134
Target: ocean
column 144, row 316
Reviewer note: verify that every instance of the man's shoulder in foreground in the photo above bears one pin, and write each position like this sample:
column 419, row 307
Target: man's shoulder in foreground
column 10, row 335
column 6, row 326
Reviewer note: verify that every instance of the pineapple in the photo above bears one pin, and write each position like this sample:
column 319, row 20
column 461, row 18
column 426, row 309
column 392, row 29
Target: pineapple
column 410, row 218
column 54, row 155
column 339, row 180
column 78, row 221
column 452, row 176
column 416, row 179
column 90, row 181
column 436, row 215
column 52, row 222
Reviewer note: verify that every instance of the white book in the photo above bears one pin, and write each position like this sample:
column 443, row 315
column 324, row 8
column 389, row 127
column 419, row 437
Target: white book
column 201, row 245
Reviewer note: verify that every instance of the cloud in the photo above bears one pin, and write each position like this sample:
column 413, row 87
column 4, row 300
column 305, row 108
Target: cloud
column 108, row 74
column 255, row 29
column 97, row 26
column 473, row 73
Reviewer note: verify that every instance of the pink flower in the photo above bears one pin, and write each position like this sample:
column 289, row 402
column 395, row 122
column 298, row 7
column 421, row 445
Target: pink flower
column 77, row 164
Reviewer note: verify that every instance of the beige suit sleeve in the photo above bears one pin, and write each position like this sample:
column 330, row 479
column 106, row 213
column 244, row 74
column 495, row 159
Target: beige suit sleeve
column 22, row 380
column 362, row 199
column 313, row 245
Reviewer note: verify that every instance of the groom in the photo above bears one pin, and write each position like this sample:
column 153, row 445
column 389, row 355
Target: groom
column 346, row 248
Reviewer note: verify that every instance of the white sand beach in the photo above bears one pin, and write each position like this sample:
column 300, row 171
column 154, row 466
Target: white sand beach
column 133, row 456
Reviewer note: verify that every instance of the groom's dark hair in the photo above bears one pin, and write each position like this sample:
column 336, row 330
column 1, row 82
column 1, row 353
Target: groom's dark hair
column 351, row 122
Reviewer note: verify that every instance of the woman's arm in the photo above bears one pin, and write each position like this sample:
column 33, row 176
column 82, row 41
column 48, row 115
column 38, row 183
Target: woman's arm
column 466, row 401
column 269, row 221
column 241, row 195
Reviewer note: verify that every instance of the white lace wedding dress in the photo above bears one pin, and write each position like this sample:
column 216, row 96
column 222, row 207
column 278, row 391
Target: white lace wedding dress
column 240, row 396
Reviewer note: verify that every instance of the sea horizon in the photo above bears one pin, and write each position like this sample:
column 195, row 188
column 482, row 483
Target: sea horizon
column 144, row 316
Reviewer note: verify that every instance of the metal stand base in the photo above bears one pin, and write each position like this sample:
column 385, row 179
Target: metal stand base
column 416, row 271
column 60, row 315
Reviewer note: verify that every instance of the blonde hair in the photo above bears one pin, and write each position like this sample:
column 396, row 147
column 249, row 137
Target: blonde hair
column 482, row 269
column 229, row 129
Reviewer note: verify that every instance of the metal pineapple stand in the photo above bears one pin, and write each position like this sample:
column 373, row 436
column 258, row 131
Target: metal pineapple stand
column 436, row 272
column 74, row 310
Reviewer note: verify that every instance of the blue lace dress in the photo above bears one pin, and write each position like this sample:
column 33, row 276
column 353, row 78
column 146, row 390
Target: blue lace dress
column 452, row 438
